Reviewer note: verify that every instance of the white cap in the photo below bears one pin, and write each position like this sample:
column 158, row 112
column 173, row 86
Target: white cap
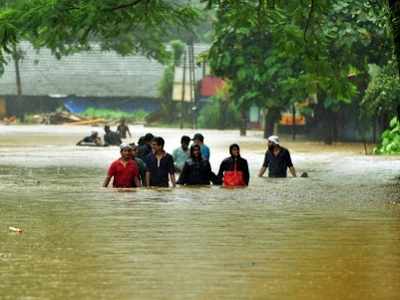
column 125, row 146
column 274, row 139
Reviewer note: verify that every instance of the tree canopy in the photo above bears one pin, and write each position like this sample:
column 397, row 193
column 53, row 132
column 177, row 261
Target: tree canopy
column 277, row 53
column 66, row 26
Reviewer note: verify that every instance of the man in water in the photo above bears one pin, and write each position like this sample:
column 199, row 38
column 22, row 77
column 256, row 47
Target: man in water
column 181, row 154
column 111, row 137
column 277, row 160
column 123, row 129
column 198, row 139
column 141, row 164
column 160, row 166
column 124, row 170
column 92, row 140
column 196, row 170
column 234, row 163
column 144, row 147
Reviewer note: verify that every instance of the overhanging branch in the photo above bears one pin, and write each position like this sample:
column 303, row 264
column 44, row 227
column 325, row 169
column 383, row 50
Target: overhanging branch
column 310, row 15
column 126, row 5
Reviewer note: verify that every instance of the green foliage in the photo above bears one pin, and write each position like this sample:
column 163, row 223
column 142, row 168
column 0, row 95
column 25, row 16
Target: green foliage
column 277, row 53
column 178, row 48
column 166, row 84
column 219, row 114
column 390, row 143
column 383, row 93
column 67, row 26
column 115, row 115
column 394, row 9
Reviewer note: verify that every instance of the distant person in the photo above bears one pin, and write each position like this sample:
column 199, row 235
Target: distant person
column 123, row 129
column 198, row 139
column 234, row 170
column 196, row 170
column 160, row 165
column 141, row 164
column 124, row 171
column 182, row 153
column 144, row 147
column 92, row 140
column 277, row 160
column 111, row 137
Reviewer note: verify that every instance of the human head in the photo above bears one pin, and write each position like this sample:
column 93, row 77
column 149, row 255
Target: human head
column 125, row 150
column 185, row 141
column 158, row 144
column 195, row 152
column 134, row 149
column 148, row 138
column 273, row 141
column 198, row 139
column 234, row 150
column 107, row 128
column 122, row 121
column 94, row 134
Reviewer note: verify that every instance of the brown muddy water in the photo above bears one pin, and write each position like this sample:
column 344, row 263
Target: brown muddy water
column 334, row 235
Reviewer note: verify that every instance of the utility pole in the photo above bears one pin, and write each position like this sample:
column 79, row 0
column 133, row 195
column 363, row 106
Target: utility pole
column 183, row 88
column 193, row 87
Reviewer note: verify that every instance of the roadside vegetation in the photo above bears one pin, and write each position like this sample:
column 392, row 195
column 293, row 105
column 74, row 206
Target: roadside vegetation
column 322, row 56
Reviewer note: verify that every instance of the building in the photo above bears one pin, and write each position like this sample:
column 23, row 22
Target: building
column 88, row 78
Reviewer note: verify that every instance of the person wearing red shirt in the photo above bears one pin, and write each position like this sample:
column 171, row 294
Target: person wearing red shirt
column 124, row 170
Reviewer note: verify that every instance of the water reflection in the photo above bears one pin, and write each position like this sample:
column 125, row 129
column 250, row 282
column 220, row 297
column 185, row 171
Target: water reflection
column 334, row 235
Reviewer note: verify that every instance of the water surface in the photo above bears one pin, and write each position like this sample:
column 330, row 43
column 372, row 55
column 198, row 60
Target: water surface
column 334, row 235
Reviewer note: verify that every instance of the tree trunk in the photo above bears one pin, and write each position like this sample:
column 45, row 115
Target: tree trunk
column 243, row 122
column 374, row 129
column 223, row 107
column 271, row 118
column 293, row 123
column 328, row 124
column 17, row 57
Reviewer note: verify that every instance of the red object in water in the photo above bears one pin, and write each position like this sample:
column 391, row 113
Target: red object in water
column 210, row 85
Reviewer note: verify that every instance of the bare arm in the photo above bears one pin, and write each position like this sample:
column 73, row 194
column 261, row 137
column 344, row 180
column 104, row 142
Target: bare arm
column 172, row 177
column 262, row 171
column 129, row 132
column 293, row 171
column 106, row 181
column 137, row 181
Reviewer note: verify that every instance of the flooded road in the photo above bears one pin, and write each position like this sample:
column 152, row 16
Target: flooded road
column 334, row 235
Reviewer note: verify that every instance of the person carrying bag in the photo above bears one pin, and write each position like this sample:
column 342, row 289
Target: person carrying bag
column 234, row 170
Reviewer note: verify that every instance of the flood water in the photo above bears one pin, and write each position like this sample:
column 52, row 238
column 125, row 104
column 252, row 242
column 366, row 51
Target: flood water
column 334, row 235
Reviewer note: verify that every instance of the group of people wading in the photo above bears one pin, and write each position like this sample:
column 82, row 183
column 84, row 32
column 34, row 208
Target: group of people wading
column 148, row 164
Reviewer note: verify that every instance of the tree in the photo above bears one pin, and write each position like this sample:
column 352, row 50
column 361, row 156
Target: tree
column 66, row 26
column 276, row 53
column 166, row 84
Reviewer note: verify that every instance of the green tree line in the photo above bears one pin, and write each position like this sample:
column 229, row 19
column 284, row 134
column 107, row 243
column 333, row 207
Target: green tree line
column 274, row 53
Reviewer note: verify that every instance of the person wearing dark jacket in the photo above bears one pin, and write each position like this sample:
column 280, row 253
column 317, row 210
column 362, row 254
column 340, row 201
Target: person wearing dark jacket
column 232, row 163
column 196, row 170
column 144, row 147
column 111, row 137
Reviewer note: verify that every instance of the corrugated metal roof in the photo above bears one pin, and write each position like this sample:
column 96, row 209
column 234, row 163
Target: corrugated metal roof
column 88, row 73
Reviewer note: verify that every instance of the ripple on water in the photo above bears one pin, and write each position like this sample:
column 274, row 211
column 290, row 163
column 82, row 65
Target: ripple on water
column 333, row 235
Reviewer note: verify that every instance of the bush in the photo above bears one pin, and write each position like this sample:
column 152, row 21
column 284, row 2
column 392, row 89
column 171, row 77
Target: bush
column 219, row 114
column 108, row 114
column 390, row 139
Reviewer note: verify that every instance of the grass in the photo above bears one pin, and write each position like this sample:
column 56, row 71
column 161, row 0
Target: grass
column 108, row 114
